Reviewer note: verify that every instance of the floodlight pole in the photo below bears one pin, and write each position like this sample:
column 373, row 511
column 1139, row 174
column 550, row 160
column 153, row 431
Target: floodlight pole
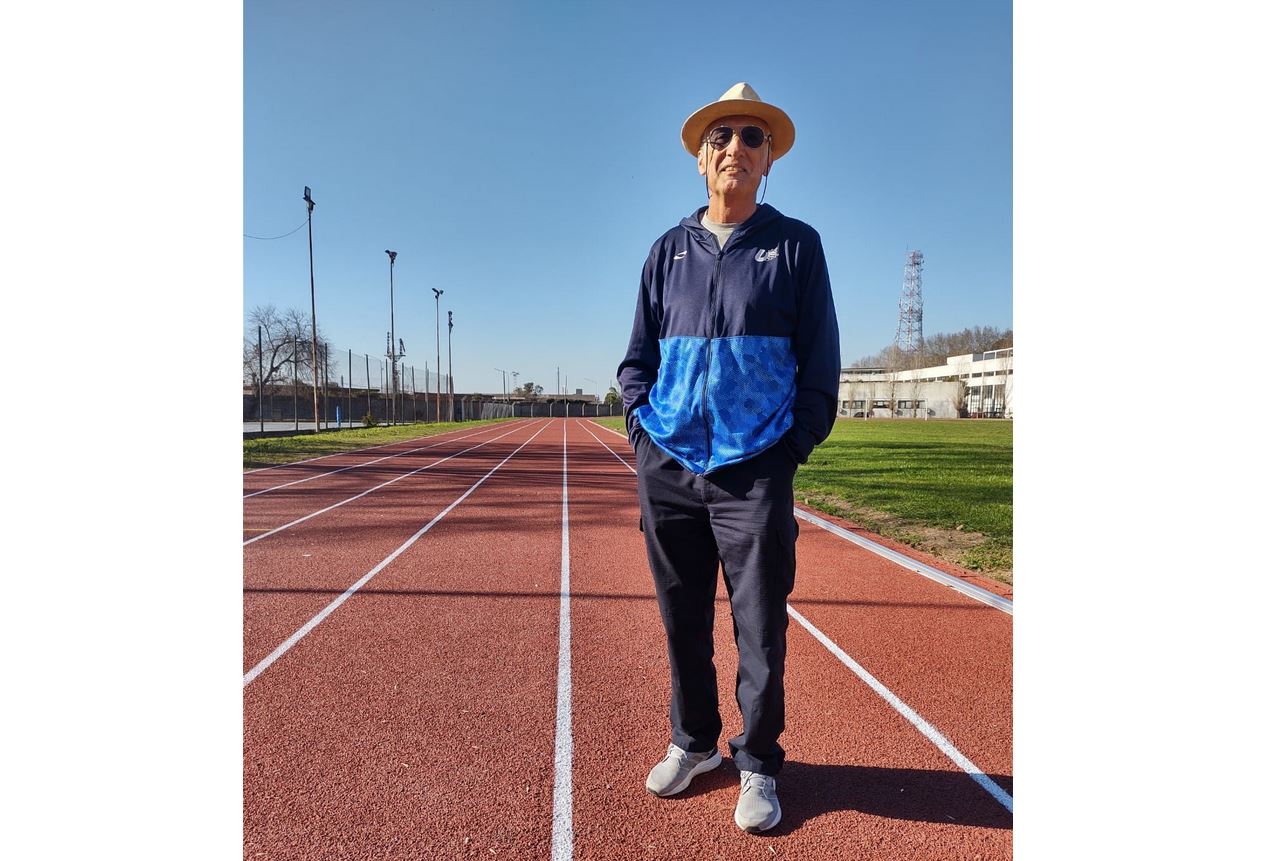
column 394, row 366
column 314, row 331
column 504, row 388
column 438, row 382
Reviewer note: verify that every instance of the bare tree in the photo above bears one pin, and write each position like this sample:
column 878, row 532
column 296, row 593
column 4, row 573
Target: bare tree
column 285, row 339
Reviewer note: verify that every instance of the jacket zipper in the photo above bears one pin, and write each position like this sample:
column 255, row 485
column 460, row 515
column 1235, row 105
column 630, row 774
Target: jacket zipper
column 708, row 367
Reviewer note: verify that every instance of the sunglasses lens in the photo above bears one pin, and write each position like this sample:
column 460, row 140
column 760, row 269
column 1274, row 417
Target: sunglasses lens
column 752, row 136
column 720, row 137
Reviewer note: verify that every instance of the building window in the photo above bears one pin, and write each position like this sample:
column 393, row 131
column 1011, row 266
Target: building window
column 857, row 405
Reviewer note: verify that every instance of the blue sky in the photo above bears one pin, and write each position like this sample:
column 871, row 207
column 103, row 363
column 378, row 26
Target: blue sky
column 524, row 156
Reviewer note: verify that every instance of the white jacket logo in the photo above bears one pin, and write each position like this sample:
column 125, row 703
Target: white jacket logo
column 763, row 255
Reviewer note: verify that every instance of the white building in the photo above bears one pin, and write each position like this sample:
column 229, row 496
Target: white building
column 979, row 384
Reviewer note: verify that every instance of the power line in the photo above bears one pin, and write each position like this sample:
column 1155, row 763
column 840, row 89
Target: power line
column 281, row 236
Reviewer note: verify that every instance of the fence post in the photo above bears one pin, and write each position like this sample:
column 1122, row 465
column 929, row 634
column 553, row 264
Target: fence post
column 326, row 385
column 296, row 423
column 261, row 421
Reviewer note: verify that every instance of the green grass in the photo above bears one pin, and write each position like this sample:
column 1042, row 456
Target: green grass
column 942, row 486
column 272, row 451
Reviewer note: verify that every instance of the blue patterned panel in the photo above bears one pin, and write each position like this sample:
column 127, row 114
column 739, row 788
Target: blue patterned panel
column 752, row 386
column 674, row 414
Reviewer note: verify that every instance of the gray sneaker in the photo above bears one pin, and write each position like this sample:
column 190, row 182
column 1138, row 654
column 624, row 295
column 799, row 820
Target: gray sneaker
column 758, row 808
column 673, row 773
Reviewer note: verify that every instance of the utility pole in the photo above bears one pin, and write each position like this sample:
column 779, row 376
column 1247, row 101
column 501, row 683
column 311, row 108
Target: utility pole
column 314, row 330
column 438, row 382
column 504, row 390
column 451, row 389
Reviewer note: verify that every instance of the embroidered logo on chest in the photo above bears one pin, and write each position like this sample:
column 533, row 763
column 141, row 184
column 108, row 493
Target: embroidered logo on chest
column 763, row 255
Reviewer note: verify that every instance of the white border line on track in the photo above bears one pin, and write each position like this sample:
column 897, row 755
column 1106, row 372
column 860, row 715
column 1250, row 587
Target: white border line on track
column 335, row 453
column 563, row 830
column 435, row 444
column 933, row 735
column 378, row 487
column 358, row 584
column 967, row 589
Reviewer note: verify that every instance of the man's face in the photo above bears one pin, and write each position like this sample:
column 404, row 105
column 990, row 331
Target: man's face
column 736, row 168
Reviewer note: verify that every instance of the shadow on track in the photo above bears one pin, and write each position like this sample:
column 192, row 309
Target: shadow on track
column 807, row 791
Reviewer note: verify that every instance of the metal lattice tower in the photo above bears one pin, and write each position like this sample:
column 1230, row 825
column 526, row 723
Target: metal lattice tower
column 908, row 334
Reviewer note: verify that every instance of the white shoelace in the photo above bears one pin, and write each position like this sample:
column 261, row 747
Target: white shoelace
column 765, row 784
column 675, row 753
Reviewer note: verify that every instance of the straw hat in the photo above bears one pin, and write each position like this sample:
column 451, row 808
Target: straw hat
column 740, row 100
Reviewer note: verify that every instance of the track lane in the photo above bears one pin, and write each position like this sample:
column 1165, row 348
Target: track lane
column 292, row 576
column 267, row 515
column 417, row 720
column 304, row 466
column 260, row 482
column 860, row 780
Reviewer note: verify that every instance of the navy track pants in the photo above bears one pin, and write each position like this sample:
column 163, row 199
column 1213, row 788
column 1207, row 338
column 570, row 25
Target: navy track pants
column 741, row 516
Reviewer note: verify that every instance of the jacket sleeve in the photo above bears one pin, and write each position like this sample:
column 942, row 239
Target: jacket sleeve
column 816, row 346
column 637, row 372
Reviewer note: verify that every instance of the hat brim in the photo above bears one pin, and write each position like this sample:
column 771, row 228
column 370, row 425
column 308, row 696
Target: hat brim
column 782, row 131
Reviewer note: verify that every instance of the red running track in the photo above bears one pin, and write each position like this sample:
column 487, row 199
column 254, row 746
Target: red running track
column 418, row 718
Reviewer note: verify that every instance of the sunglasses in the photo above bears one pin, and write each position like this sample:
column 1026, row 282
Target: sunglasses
column 720, row 138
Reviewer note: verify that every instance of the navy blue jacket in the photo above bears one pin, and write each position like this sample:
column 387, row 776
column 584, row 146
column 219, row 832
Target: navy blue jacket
column 733, row 350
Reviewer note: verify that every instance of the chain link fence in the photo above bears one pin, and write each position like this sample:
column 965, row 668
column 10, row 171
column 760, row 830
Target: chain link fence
column 355, row 388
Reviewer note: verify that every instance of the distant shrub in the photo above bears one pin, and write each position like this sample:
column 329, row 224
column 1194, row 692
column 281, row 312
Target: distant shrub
column 369, row 421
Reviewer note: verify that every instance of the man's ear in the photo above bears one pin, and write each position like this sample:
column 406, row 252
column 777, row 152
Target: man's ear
column 702, row 164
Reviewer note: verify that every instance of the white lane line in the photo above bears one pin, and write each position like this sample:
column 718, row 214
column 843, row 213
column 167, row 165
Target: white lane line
column 341, row 599
column 926, row 729
column 934, row 735
column 563, row 832
column 604, row 445
column 435, row 444
column 371, row 489
column 335, row 453
column 969, row 590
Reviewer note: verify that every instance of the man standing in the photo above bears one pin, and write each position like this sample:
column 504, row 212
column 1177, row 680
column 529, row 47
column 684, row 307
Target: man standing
column 729, row 382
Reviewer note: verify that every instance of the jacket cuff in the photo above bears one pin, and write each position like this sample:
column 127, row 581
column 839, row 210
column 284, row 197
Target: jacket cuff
column 633, row 426
column 796, row 446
